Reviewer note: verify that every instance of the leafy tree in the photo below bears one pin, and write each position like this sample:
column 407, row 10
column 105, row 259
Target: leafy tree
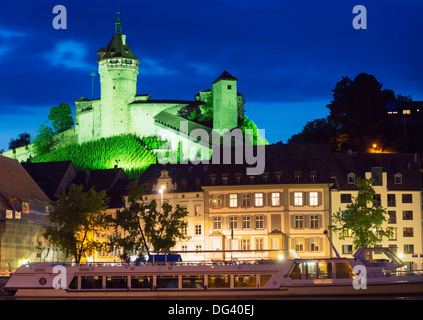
column 250, row 125
column 316, row 131
column 61, row 118
column 363, row 217
column 76, row 216
column 22, row 140
column 44, row 141
column 146, row 223
column 164, row 227
column 128, row 220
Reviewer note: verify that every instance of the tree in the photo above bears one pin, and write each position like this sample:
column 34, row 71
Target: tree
column 61, row 118
column 44, row 141
column 316, row 131
column 164, row 227
column 76, row 216
column 128, row 220
column 146, row 223
column 22, row 140
column 363, row 218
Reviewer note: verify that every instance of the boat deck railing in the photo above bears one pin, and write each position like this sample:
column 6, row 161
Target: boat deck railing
column 214, row 257
column 403, row 273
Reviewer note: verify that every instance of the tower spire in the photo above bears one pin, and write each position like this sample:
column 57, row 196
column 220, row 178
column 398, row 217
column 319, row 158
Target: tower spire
column 118, row 24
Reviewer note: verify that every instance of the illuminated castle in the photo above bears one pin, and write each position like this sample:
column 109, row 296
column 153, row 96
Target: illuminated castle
column 120, row 110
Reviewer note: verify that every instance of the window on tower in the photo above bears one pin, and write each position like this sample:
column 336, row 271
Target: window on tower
column 229, row 87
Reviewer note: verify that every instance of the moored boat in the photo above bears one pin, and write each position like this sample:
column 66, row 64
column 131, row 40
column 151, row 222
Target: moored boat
column 371, row 271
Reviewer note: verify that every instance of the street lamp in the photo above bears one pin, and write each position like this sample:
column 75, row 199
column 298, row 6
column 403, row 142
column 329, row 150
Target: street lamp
column 161, row 191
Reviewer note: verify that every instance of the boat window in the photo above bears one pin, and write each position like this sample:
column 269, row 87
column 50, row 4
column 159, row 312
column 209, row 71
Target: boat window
column 167, row 281
column 91, row 282
column 74, row 283
column 219, row 281
column 245, row 281
column 264, row 279
column 196, row 282
column 309, row 270
column 297, row 272
column 324, row 270
column 343, row 270
column 138, row 282
column 116, row 282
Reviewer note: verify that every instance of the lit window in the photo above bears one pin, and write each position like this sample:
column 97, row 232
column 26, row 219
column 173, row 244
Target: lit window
column 259, row 199
column 406, row 111
column 314, row 199
column 276, row 201
column 298, row 198
column 233, row 200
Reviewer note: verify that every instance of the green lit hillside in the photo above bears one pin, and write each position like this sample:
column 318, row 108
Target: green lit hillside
column 134, row 154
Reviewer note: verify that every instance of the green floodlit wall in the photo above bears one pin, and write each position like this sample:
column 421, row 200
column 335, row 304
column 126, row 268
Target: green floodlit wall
column 134, row 155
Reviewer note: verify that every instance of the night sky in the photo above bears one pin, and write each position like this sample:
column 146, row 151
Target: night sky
column 287, row 55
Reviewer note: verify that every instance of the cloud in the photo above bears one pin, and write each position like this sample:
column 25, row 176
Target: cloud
column 153, row 67
column 8, row 40
column 202, row 69
column 70, row 54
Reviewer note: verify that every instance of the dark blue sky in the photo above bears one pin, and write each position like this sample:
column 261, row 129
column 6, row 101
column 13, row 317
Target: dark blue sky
column 287, row 55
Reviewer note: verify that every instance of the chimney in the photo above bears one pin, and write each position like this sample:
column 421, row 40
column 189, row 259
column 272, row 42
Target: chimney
column 124, row 39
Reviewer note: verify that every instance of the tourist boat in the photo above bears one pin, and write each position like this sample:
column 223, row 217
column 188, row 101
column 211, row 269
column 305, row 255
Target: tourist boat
column 378, row 275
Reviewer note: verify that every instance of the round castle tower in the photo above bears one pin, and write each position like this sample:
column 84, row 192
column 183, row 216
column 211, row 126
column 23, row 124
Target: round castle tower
column 118, row 69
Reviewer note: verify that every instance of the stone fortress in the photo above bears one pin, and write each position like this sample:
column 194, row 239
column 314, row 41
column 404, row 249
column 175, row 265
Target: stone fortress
column 120, row 110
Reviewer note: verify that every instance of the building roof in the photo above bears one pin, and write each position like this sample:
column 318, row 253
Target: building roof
column 186, row 177
column 225, row 76
column 116, row 49
column 100, row 179
column 408, row 165
column 50, row 176
column 283, row 160
column 16, row 182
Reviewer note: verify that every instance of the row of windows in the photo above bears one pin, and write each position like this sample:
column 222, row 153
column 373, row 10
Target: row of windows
column 298, row 221
column 391, row 198
column 406, row 215
column 308, row 244
column 407, row 232
column 376, row 174
column 258, row 199
column 299, row 177
column 408, row 248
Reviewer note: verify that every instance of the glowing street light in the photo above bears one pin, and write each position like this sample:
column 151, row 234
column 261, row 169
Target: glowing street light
column 161, row 191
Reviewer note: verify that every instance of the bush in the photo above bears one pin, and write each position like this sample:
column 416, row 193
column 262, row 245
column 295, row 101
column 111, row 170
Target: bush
column 133, row 154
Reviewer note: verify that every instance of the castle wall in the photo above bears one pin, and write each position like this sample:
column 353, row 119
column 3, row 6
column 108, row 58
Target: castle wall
column 86, row 126
column 22, row 154
column 225, row 105
column 118, row 89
